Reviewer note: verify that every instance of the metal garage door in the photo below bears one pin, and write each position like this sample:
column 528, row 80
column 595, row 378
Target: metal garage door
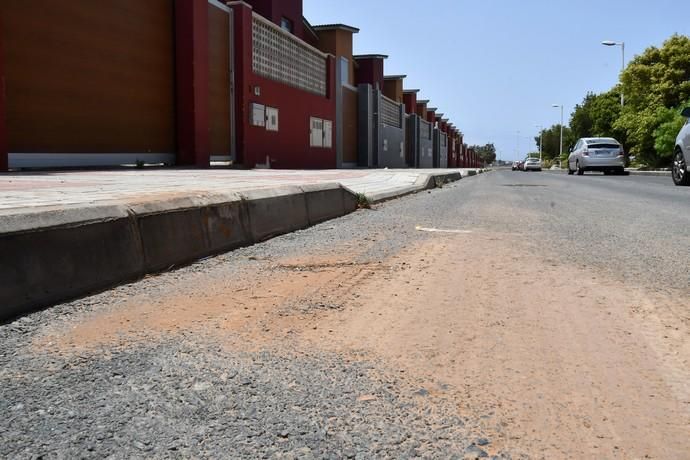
column 89, row 77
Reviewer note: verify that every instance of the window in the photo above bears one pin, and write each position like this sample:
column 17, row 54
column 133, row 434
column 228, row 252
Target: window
column 316, row 132
column 344, row 71
column 286, row 24
column 327, row 134
column 271, row 119
column 320, row 133
column 258, row 115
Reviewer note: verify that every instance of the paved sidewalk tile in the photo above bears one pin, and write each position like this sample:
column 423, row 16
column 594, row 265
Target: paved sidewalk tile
column 31, row 191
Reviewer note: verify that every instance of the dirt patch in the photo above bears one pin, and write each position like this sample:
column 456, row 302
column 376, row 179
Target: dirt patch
column 547, row 358
column 550, row 359
column 267, row 303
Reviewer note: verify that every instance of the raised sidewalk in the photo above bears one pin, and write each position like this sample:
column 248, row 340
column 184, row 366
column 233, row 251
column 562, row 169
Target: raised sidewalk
column 66, row 234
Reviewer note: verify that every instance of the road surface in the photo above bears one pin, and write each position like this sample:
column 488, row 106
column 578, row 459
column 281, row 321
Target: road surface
column 517, row 315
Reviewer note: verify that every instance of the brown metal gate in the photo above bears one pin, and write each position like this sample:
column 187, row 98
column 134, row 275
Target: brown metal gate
column 220, row 81
column 87, row 76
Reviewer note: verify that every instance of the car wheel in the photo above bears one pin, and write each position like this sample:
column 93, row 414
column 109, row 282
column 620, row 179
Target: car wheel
column 570, row 171
column 580, row 171
column 679, row 171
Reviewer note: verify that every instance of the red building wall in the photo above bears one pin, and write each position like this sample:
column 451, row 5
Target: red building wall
column 421, row 110
column 275, row 10
column 370, row 71
column 289, row 146
column 410, row 101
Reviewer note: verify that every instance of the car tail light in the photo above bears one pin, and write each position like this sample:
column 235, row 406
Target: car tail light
column 621, row 152
column 585, row 153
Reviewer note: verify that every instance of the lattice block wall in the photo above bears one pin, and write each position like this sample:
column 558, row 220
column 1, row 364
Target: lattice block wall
column 281, row 57
column 425, row 129
column 390, row 112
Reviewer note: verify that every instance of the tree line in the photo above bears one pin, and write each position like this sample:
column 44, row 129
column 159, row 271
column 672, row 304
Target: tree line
column 656, row 85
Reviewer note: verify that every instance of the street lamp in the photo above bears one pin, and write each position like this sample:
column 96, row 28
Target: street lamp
column 555, row 106
column 541, row 139
column 622, row 45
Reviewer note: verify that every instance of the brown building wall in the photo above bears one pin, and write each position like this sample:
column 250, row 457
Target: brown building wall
column 393, row 89
column 350, row 120
column 219, row 78
column 338, row 42
column 89, row 77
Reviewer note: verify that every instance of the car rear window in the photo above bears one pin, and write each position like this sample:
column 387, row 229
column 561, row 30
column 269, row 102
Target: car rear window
column 603, row 146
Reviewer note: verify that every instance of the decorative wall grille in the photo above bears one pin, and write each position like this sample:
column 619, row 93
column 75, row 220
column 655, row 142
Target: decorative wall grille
column 278, row 55
column 425, row 128
column 390, row 112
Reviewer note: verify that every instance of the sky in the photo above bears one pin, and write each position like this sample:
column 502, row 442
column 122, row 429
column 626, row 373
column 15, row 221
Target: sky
column 496, row 67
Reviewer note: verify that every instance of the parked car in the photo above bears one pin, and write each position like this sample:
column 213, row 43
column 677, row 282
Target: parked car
column 515, row 165
column 532, row 164
column 681, row 156
column 597, row 154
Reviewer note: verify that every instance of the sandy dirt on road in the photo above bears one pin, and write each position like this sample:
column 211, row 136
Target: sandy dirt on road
column 550, row 359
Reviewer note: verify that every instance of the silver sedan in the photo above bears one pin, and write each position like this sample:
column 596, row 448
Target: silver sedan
column 597, row 154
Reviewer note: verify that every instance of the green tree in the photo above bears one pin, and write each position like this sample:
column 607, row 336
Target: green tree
column 486, row 152
column 670, row 122
column 552, row 141
column 655, row 83
column 596, row 115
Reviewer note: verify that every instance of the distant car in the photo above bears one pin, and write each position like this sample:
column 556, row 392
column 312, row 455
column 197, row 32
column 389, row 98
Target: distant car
column 515, row 165
column 681, row 156
column 597, row 154
column 532, row 164
column 520, row 166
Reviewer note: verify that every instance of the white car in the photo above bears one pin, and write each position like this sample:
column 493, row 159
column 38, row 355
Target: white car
column 681, row 156
column 597, row 154
column 532, row 164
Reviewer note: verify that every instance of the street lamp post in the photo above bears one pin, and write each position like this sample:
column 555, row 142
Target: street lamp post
column 560, row 156
column 622, row 45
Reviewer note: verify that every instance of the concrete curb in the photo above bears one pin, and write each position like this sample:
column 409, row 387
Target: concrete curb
column 57, row 255
column 423, row 182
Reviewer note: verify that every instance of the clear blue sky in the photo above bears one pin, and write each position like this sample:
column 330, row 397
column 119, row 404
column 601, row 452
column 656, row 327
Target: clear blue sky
column 495, row 67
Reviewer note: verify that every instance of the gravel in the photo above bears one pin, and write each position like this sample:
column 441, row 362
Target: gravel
column 188, row 396
column 192, row 399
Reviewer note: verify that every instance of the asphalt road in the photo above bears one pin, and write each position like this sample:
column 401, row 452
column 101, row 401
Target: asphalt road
column 511, row 314
column 635, row 227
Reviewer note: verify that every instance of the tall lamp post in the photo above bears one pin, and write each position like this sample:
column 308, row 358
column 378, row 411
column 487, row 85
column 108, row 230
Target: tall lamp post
column 560, row 156
column 622, row 45
column 541, row 140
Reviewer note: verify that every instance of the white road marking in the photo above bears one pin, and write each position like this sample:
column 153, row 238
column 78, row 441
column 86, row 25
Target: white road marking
column 439, row 230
